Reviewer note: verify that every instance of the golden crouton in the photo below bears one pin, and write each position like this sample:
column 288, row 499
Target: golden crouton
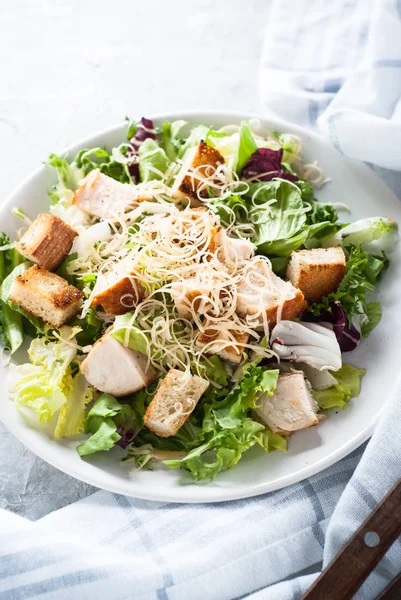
column 46, row 295
column 47, row 241
column 201, row 162
column 175, row 399
column 229, row 345
column 118, row 295
column 317, row 272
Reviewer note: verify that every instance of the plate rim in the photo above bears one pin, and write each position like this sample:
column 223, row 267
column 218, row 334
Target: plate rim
column 226, row 494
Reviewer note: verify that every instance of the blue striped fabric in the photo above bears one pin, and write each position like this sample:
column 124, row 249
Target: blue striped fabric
column 271, row 547
column 337, row 66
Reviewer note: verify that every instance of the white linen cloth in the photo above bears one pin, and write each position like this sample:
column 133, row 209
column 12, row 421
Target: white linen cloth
column 321, row 62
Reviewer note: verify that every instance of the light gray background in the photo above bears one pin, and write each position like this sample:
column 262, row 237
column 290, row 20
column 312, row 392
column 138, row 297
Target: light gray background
column 71, row 68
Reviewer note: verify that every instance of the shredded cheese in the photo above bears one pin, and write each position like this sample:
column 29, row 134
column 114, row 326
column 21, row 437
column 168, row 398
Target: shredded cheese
column 183, row 288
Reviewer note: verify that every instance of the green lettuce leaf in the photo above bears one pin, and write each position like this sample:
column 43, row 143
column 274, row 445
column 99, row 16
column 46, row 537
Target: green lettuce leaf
column 317, row 232
column 212, row 368
column 72, row 415
column 104, row 438
column 152, row 160
column 221, row 452
column 227, row 207
column 91, row 327
column 106, row 416
column 11, row 326
column 279, row 265
column 68, row 175
column 43, row 384
column 136, row 339
column 348, row 386
column 99, row 158
column 281, row 217
column 171, row 142
column 373, row 314
column 283, row 248
column 226, row 429
column 318, row 211
column 247, row 146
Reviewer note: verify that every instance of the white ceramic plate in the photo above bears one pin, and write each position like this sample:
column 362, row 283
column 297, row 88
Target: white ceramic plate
column 310, row 450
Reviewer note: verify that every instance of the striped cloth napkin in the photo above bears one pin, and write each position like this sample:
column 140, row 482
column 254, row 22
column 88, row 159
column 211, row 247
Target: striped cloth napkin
column 331, row 63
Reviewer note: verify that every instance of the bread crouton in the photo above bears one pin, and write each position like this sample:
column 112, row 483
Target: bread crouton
column 228, row 344
column 47, row 241
column 266, row 297
column 291, row 407
column 46, row 295
column 199, row 162
column 114, row 369
column 175, row 399
column 317, row 272
column 117, row 294
column 103, row 197
column 232, row 252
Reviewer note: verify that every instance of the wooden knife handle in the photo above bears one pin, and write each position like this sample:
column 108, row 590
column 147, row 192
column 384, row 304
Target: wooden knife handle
column 357, row 559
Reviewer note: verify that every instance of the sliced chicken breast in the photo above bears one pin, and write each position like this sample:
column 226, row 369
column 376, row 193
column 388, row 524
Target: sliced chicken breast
column 116, row 370
column 104, row 197
column 263, row 296
column 292, row 406
column 232, row 252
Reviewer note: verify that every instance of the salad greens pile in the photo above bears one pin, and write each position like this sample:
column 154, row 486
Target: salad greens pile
column 269, row 195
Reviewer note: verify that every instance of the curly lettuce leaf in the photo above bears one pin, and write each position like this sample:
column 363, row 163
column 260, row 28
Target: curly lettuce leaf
column 363, row 270
column 221, row 452
column 68, row 175
column 318, row 211
column 90, row 327
column 43, row 384
column 226, row 429
column 72, row 415
column 99, row 158
column 348, row 386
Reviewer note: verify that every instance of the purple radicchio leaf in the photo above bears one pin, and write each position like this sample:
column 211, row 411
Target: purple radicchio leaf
column 126, row 437
column 145, row 130
column 265, row 165
column 348, row 336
